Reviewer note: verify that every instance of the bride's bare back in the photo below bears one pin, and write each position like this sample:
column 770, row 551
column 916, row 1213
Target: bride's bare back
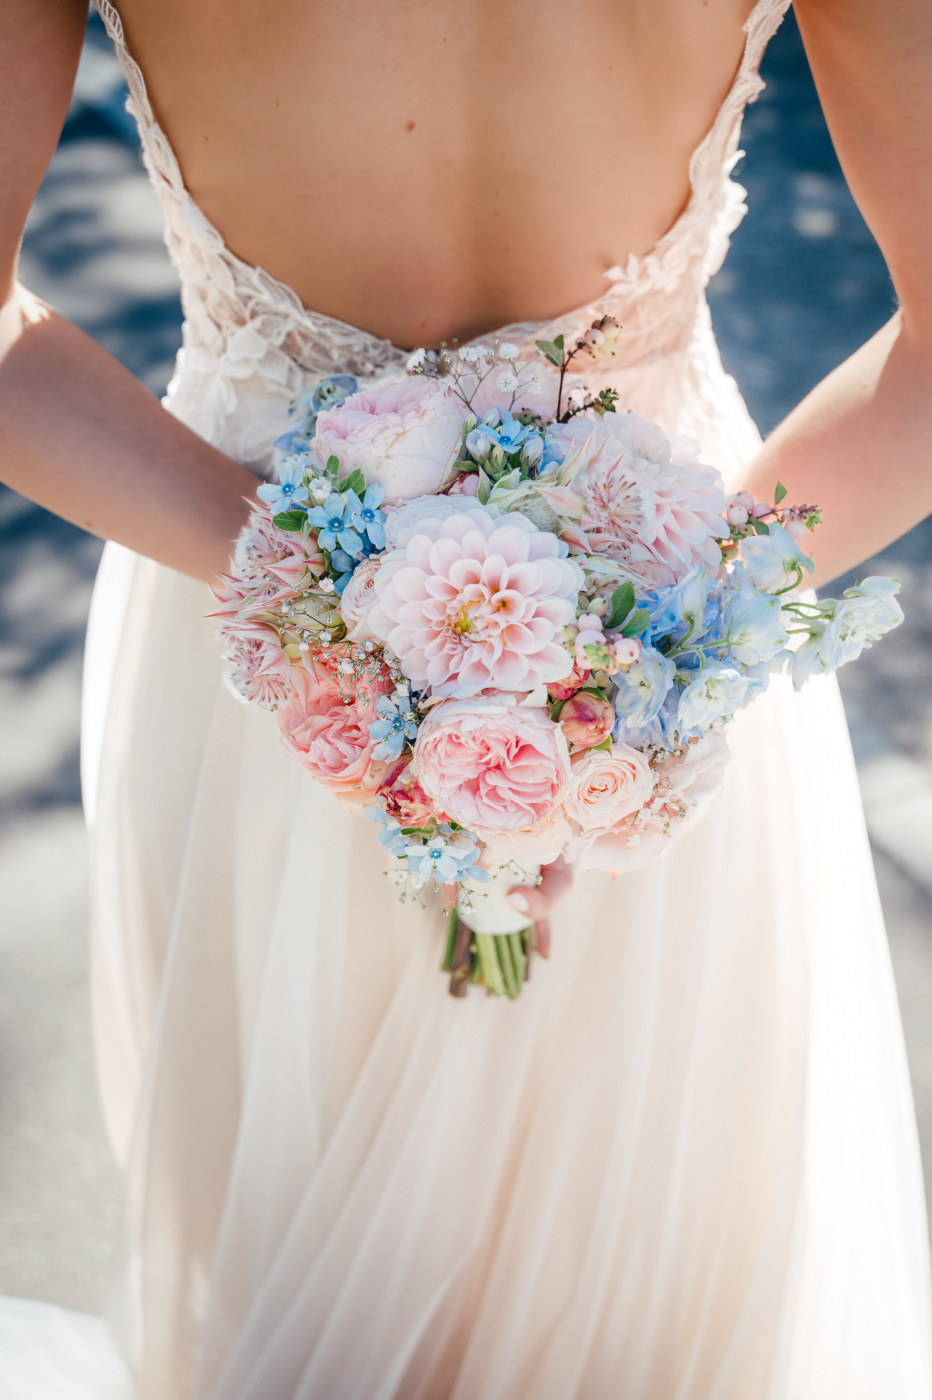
column 428, row 170
column 425, row 170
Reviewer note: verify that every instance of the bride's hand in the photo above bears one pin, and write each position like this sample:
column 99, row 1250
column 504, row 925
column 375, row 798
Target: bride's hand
column 556, row 880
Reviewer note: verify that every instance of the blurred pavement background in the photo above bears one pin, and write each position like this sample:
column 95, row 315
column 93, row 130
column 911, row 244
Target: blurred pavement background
column 803, row 286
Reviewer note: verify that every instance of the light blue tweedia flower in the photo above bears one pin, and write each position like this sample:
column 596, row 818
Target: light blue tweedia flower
column 289, row 492
column 390, row 837
column 751, row 623
column 509, row 435
column 397, row 723
column 367, row 519
column 449, row 856
column 333, row 523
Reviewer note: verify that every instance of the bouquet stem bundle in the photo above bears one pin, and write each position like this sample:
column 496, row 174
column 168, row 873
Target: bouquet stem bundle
column 499, row 962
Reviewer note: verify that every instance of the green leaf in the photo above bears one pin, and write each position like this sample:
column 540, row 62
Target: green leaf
column 333, row 464
column 289, row 520
column 552, row 350
column 606, row 744
column 555, row 710
column 354, row 482
column 637, row 623
column 779, row 493
column 622, row 604
column 558, row 341
column 760, row 527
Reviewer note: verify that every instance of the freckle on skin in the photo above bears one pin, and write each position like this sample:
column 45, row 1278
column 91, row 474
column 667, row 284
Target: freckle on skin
column 409, row 126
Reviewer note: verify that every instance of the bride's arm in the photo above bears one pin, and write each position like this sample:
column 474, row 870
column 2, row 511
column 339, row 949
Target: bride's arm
column 860, row 445
column 78, row 433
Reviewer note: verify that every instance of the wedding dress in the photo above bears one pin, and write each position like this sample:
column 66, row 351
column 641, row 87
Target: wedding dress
column 684, row 1166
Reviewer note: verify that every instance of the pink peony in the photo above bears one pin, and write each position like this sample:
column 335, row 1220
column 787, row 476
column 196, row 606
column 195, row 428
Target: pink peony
column 328, row 736
column 491, row 765
column 647, row 501
column 586, row 719
column 532, row 845
column 474, row 602
column 606, row 787
column 405, row 435
column 357, row 598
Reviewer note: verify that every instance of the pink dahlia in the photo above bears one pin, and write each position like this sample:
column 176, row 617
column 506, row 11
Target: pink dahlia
column 474, row 602
column 647, row 500
column 492, row 766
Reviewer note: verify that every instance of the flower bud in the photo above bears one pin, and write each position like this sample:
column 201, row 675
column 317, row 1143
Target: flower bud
column 744, row 498
column 760, row 510
column 598, row 607
column 736, row 514
column 625, row 651
column 498, row 457
column 586, row 720
column 593, row 336
column 796, row 529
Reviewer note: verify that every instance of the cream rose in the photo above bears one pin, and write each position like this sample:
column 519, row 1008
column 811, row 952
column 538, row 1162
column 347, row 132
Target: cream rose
column 605, row 787
column 533, row 845
column 357, row 598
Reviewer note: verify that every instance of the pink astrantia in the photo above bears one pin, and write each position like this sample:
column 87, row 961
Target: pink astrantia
column 647, row 501
column 474, row 602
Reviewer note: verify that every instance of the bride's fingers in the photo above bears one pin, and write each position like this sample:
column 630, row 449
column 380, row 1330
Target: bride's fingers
column 450, row 893
column 537, row 900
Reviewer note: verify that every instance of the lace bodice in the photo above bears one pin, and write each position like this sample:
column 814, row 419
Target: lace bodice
column 239, row 321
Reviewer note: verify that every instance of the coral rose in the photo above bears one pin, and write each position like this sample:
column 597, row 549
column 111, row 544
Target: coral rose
column 586, row 719
column 329, row 737
column 608, row 786
column 473, row 602
column 406, row 435
column 490, row 765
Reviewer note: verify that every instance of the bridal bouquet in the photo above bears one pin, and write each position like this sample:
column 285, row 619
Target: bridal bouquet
column 515, row 635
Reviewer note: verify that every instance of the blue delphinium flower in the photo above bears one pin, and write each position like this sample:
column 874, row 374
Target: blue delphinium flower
column 304, row 408
column 333, row 391
column 366, row 516
column 751, row 624
column 333, row 523
column 712, row 696
column 396, row 723
column 641, row 688
column 288, row 492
